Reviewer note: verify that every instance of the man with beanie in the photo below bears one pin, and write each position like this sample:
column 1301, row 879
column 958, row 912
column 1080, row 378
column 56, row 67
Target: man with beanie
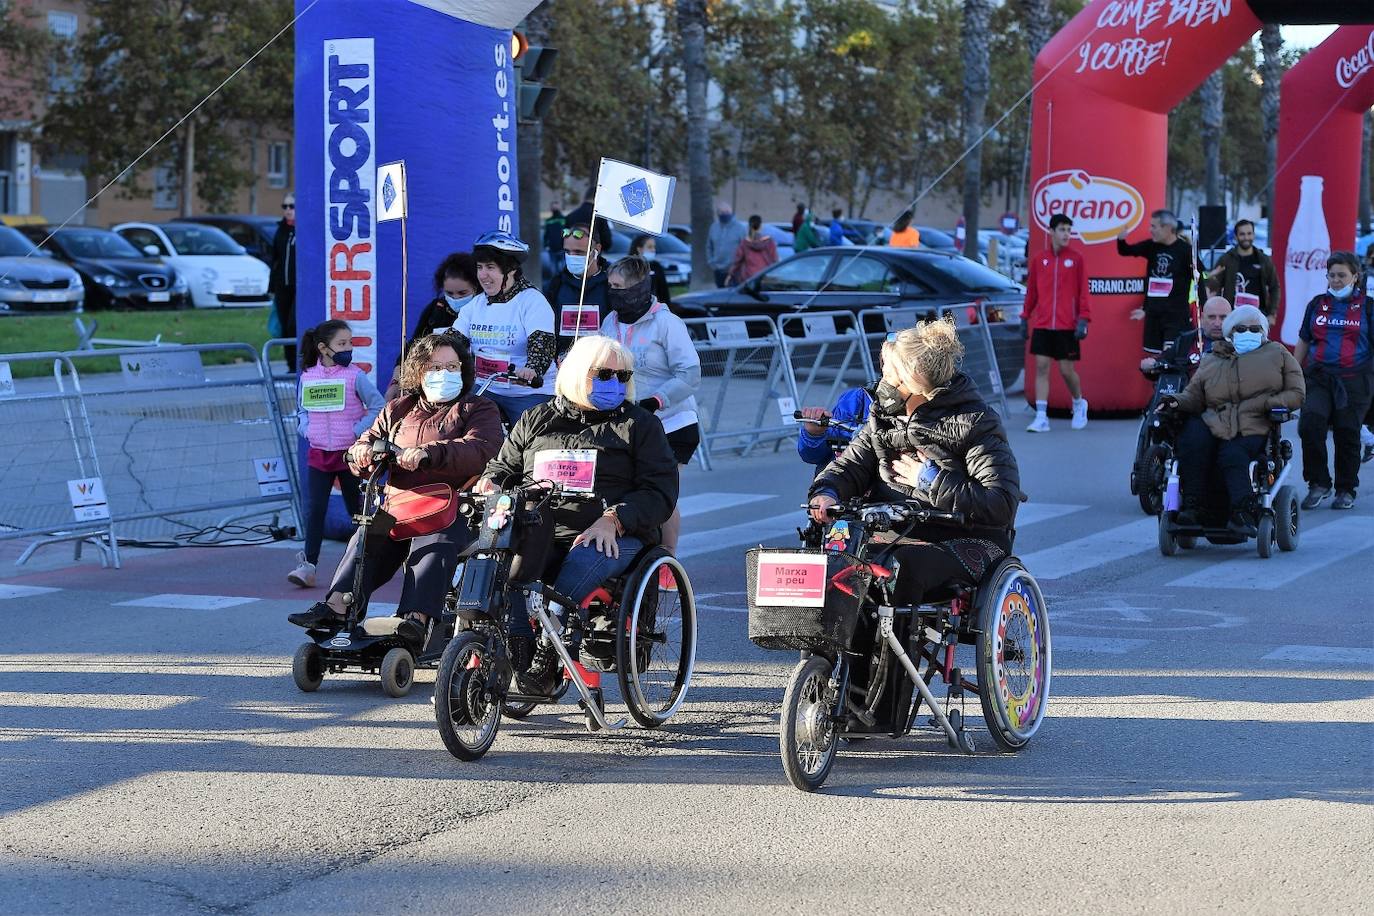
column 1055, row 318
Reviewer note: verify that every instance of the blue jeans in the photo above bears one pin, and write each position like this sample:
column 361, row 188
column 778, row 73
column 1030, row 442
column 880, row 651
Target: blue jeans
column 513, row 405
column 584, row 569
column 318, row 486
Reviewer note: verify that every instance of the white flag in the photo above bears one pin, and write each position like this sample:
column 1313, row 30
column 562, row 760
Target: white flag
column 634, row 197
column 391, row 188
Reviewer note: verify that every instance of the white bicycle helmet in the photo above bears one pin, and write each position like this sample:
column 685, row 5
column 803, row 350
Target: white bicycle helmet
column 502, row 243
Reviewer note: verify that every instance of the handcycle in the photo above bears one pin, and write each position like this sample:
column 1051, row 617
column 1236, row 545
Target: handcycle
column 633, row 625
column 1275, row 502
column 1153, row 446
column 863, row 654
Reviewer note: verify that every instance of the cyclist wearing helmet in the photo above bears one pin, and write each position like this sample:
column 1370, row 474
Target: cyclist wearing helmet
column 509, row 323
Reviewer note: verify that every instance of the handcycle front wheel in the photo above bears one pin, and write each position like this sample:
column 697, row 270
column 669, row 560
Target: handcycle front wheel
column 656, row 641
column 1014, row 658
column 467, row 720
column 809, row 737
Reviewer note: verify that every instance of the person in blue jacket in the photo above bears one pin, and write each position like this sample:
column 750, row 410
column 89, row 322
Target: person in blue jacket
column 815, row 444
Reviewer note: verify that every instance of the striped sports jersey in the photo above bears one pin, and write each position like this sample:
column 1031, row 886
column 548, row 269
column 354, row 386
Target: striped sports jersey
column 1340, row 333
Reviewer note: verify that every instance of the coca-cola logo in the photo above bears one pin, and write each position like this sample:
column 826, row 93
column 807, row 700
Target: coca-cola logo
column 1099, row 207
column 1311, row 259
column 1349, row 69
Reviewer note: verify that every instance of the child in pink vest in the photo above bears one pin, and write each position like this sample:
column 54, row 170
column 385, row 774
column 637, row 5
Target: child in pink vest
column 338, row 403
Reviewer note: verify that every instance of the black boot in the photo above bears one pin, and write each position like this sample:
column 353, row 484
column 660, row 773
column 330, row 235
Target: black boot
column 1187, row 516
column 541, row 678
column 1240, row 523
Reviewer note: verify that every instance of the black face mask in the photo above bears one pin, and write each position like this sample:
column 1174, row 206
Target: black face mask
column 631, row 303
column 888, row 400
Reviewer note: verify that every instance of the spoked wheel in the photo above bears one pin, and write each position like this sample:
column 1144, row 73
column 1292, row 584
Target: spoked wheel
column 809, row 736
column 467, row 721
column 1014, row 665
column 1147, row 479
column 1287, row 518
column 307, row 667
column 656, row 641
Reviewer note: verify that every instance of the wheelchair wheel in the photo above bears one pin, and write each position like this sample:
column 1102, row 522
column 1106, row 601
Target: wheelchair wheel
column 307, row 667
column 1168, row 544
column 1287, row 519
column 809, row 737
column 467, row 721
column 1266, row 538
column 1147, row 479
column 1014, row 659
column 656, row 640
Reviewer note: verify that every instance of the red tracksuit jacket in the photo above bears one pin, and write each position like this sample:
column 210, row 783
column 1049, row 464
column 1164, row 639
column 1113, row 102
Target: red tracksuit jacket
column 1056, row 290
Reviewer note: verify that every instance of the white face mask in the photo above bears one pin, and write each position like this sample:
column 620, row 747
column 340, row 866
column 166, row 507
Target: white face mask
column 457, row 302
column 1245, row 341
column 650, row 254
column 576, row 263
column 441, row 385
column 1341, row 293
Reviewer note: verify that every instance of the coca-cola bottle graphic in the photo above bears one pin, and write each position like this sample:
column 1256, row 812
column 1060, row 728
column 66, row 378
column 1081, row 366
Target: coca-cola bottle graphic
column 1304, row 267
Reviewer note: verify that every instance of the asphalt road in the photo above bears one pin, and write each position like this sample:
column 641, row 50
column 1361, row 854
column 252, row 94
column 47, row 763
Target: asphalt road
column 1208, row 746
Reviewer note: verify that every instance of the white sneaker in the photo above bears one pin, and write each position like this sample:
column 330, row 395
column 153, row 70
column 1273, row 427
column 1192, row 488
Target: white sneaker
column 1041, row 424
column 304, row 573
column 1080, row 414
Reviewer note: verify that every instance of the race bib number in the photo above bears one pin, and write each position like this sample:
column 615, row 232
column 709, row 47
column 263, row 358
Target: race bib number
column 579, row 319
column 790, row 580
column 491, row 362
column 1247, row 299
column 1160, row 287
column 323, row 396
column 573, row 468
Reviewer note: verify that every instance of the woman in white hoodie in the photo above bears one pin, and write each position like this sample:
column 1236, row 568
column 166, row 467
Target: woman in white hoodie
column 667, row 369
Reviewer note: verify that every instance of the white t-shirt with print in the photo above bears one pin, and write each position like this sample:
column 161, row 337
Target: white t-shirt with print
column 499, row 333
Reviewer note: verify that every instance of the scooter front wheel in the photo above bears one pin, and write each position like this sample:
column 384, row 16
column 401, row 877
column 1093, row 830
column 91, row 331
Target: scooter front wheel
column 809, row 736
column 466, row 715
column 307, row 667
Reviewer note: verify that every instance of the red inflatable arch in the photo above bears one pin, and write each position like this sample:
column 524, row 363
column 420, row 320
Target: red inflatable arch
column 1324, row 98
column 1105, row 85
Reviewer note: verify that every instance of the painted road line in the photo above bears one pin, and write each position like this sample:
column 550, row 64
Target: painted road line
column 1094, row 550
column 187, row 602
column 700, row 503
column 756, row 532
column 1317, row 549
column 24, row 591
column 1335, row 655
column 1031, row 513
column 1104, row 646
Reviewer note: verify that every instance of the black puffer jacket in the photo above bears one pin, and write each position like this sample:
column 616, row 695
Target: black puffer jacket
column 636, row 472
column 960, row 434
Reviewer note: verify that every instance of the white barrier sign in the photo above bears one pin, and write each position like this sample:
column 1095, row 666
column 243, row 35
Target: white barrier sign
column 6, row 381
column 169, row 367
column 727, row 331
column 787, row 407
column 272, row 479
column 88, row 499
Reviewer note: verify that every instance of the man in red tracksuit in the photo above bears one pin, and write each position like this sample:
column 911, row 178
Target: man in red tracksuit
column 1055, row 317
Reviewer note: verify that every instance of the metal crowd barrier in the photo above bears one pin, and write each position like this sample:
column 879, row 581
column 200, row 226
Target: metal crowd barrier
column 49, row 464
column 177, row 444
column 747, row 391
column 826, row 353
column 286, row 398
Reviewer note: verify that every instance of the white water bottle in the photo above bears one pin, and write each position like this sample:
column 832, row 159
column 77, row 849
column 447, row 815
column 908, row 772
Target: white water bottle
column 1172, row 498
column 1304, row 264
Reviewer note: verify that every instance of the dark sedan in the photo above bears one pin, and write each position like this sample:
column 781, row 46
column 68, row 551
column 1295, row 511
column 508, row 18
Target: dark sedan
column 860, row 279
column 253, row 231
column 115, row 274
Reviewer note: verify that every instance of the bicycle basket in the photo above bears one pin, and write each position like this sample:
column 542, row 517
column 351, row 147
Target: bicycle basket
column 804, row 599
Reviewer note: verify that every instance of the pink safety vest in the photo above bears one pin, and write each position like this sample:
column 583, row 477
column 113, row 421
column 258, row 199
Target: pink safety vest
column 332, row 431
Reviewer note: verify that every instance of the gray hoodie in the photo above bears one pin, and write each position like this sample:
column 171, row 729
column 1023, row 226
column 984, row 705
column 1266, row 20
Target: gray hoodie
column 666, row 363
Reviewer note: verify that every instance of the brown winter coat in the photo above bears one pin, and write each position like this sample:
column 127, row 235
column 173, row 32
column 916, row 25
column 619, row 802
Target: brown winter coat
column 1235, row 393
column 459, row 438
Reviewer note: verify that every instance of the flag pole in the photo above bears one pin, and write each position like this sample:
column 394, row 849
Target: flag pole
column 582, row 292
column 405, row 281
column 1196, row 304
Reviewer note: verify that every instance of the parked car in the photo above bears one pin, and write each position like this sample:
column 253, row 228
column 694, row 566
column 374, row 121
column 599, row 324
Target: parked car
column 114, row 273
column 785, row 238
column 845, row 279
column 254, row 232
column 681, row 231
column 221, row 273
column 31, row 281
column 864, row 231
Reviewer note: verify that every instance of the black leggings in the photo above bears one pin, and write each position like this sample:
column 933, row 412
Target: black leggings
column 429, row 563
column 1198, row 450
column 926, row 566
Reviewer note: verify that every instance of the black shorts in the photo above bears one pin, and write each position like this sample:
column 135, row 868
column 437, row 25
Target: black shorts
column 684, row 442
column 1054, row 344
column 1162, row 327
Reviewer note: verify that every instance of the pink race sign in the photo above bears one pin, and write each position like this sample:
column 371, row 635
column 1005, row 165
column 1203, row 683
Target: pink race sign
column 573, row 468
column 790, row 579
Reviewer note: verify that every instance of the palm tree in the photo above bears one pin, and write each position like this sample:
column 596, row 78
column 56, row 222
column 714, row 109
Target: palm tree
column 691, row 26
column 1213, row 99
column 1271, row 72
column 974, row 51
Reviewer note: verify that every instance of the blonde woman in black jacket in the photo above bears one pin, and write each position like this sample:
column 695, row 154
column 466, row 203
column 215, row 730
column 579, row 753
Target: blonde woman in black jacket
column 932, row 439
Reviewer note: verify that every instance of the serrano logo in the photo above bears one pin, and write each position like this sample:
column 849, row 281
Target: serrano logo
column 1349, row 69
column 1099, row 207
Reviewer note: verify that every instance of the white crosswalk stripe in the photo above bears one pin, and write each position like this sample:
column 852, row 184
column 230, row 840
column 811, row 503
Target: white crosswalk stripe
column 187, row 602
column 756, row 532
column 1336, row 655
column 1093, row 550
column 701, row 503
column 24, row 591
column 1032, row 513
column 1317, row 548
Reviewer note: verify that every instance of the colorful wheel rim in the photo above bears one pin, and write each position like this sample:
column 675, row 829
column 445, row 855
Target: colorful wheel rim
column 1021, row 655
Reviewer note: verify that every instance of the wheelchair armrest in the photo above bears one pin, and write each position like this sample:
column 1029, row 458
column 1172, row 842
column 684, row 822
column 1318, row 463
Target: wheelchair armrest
column 1280, row 414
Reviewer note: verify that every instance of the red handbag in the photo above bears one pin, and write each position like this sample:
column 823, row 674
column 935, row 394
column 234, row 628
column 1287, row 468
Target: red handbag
column 423, row 510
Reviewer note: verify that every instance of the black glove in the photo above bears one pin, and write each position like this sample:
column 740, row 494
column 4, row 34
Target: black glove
column 1081, row 330
column 1025, row 329
column 651, row 404
column 1168, row 402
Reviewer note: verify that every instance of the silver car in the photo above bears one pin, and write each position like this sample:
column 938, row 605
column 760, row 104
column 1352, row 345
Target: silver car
column 31, row 281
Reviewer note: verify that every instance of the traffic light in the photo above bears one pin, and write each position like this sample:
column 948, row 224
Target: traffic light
column 535, row 62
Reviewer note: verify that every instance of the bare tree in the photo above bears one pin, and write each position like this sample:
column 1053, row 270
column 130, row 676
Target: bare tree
column 974, row 51
column 529, row 154
column 1038, row 22
column 1213, row 98
column 691, row 26
column 1366, row 217
column 1271, row 72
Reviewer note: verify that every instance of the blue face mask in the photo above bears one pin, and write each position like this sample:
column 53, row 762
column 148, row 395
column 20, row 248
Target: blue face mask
column 607, row 395
column 576, row 264
column 1245, row 341
column 1341, row 293
column 456, row 302
column 725, row 218
column 342, row 357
